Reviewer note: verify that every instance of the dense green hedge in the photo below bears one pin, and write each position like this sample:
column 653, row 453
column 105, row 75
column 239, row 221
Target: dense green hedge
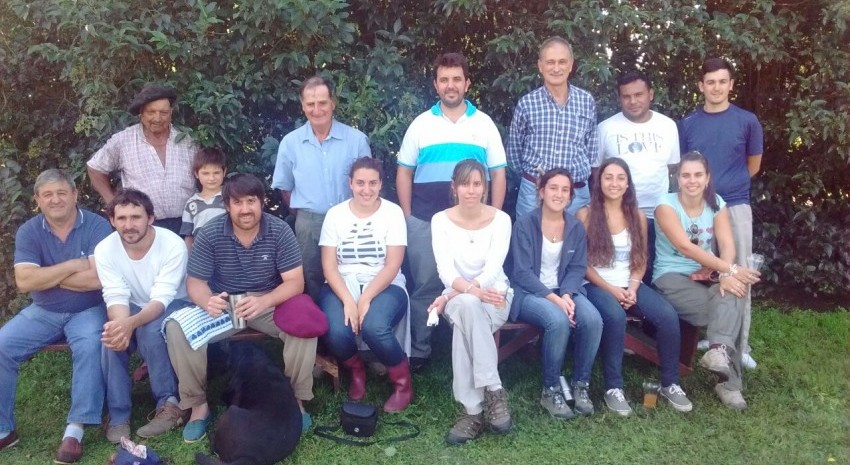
column 68, row 69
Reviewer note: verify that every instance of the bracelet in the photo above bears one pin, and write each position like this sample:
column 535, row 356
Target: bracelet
column 733, row 268
column 444, row 296
column 466, row 291
column 634, row 280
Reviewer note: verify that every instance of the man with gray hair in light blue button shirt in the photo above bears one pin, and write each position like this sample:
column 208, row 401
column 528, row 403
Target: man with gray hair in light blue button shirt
column 312, row 171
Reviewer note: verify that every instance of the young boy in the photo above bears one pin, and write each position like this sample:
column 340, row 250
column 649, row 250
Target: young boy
column 209, row 167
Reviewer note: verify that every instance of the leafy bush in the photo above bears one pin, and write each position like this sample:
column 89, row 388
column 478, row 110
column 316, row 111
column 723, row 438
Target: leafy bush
column 69, row 69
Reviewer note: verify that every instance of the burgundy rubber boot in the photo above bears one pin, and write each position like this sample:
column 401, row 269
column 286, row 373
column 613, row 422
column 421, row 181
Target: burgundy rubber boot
column 403, row 384
column 357, row 389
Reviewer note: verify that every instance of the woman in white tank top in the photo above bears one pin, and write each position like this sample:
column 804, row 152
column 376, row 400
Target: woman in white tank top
column 616, row 262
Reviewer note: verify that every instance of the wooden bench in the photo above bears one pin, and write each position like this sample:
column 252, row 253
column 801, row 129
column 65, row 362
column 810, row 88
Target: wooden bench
column 327, row 364
column 636, row 341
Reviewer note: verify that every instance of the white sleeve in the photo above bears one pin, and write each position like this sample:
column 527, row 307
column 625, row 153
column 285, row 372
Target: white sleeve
column 500, row 243
column 675, row 149
column 396, row 226
column 329, row 235
column 440, row 241
column 408, row 153
column 172, row 273
column 601, row 152
column 116, row 290
column 496, row 157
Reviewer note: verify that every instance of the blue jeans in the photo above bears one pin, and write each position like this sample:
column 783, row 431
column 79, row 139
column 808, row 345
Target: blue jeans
column 555, row 325
column 650, row 251
column 528, row 199
column 385, row 311
column 149, row 341
column 654, row 309
column 32, row 329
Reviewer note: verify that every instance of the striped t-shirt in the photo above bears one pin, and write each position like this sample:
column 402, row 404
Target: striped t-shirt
column 434, row 144
column 227, row 266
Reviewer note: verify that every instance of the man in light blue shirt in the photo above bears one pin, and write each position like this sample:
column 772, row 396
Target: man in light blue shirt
column 312, row 171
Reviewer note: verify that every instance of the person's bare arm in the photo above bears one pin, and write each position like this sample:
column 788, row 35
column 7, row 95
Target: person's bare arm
column 498, row 187
column 82, row 281
column 100, row 183
column 253, row 306
column 404, row 188
column 285, row 198
column 30, row 277
column 754, row 164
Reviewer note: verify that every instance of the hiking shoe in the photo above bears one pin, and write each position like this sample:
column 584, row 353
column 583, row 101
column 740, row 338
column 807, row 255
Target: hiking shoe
column 497, row 412
column 582, row 399
column 616, row 401
column 703, row 345
column 114, row 433
column 717, row 361
column 167, row 417
column 553, row 401
column 70, row 451
column 9, row 441
column 748, row 362
column 467, row 428
column 732, row 399
column 677, row 398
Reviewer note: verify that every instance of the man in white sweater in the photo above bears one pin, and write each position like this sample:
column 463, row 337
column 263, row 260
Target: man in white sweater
column 142, row 269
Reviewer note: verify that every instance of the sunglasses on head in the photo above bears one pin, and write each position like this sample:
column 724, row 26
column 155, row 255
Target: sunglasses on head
column 694, row 234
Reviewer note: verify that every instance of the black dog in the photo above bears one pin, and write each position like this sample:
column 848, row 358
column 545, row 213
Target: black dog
column 262, row 424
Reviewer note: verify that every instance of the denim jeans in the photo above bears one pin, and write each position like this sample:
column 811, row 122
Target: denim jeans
column 553, row 322
column 528, row 198
column 657, row 311
column 32, row 329
column 150, row 343
column 385, row 311
column 650, row 251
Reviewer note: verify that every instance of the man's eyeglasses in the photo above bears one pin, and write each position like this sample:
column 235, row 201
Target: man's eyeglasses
column 694, row 234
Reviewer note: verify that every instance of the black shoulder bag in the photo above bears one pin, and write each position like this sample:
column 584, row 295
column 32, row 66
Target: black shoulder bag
column 361, row 420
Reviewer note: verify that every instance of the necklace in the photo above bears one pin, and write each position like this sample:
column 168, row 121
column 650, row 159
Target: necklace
column 471, row 235
column 554, row 239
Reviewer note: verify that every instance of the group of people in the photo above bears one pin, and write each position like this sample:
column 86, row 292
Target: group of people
column 597, row 236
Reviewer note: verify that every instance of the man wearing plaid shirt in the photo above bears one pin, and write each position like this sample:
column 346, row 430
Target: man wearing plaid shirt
column 553, row 126
column 151, row 156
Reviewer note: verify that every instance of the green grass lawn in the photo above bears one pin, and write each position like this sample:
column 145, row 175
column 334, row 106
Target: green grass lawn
column 798, row 412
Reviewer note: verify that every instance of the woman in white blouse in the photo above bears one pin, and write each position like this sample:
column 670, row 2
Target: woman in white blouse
column 363, row 241
column 470, row 242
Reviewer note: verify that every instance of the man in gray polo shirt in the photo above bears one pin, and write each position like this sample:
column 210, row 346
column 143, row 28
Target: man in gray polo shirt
column 246, row 251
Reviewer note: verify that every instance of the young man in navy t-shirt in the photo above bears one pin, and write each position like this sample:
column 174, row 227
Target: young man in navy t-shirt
column 732, row 141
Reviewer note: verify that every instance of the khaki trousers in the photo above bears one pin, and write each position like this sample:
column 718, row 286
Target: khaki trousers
column 299, row 356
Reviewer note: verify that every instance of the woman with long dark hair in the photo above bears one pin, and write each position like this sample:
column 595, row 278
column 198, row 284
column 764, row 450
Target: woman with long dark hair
column 616, row 262
column 688, row 224
column 549, row 254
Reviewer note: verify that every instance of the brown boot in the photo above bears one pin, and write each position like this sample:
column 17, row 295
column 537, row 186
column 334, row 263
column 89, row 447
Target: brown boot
column 357, row 389
column 403, row 384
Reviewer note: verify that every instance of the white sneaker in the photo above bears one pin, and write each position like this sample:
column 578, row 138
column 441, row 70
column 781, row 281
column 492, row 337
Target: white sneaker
column 748, row 362
column 703, row 345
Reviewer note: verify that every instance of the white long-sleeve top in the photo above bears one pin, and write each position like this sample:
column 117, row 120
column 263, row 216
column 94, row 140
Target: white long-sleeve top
column 471, row 254
column 160, row 275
